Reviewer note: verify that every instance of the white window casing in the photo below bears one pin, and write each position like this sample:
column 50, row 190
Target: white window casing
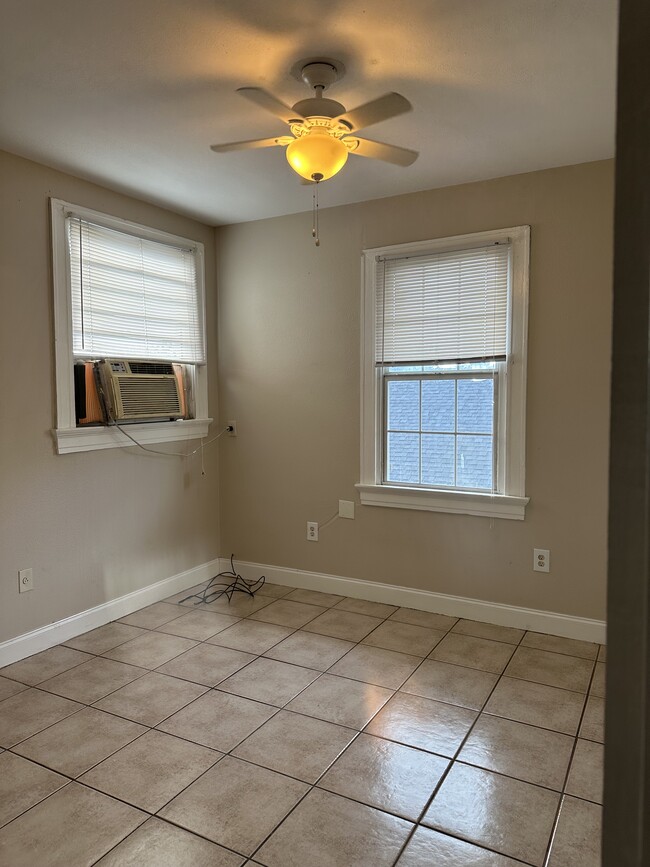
column 68, row 436
column 507, row 499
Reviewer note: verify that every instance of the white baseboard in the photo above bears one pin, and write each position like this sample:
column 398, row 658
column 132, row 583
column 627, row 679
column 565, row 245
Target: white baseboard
column 457, row 606
column 55, row 633
column 425, row 600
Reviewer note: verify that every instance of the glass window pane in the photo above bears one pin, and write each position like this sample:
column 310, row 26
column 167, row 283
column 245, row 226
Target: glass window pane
column 404, row 405
column 403, row 458
column 474, row 462
column 438, row 404
column 437, row 459
column 475, row 405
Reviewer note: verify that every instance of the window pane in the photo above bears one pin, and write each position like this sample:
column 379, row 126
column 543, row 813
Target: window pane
column 474, row 462
column 404, row 405
column 475, row 405
column 403, row 458
column 437, row 460
column 438, row 404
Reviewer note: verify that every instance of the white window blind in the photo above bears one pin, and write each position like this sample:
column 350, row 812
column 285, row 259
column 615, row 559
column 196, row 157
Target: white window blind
column 133, row 297
column 443, row 307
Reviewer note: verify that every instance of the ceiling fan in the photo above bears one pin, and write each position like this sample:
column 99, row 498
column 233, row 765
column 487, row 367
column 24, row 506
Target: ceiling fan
column 321, row 128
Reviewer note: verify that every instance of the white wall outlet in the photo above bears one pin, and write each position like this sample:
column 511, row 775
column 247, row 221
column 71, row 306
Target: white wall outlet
column 312, row 531
column 346, row 509
column 25, row 580
column 541, row 560
column 233, row 425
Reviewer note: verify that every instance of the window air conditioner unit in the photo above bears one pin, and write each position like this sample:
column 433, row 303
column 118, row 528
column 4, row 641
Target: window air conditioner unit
column 141, row 389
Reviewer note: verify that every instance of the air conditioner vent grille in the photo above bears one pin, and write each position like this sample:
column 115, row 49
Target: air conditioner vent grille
column 151, row 367
column 143, row 397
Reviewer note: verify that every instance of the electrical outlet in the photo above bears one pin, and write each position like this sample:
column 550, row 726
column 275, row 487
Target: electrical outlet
column 312, row 531
column 25, row 580
column 541, row 560
column 232, row 428
column 346, row 509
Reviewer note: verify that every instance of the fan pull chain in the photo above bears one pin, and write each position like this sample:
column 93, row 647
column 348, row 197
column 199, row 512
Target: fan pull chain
column 314, row 216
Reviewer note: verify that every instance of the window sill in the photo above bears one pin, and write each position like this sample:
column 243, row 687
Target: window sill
column 454, row 502
column 87, row 439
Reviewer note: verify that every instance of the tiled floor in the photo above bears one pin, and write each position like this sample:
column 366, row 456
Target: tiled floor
column 301, row 729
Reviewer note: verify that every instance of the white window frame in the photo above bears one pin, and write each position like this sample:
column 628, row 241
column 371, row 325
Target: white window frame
column 68, row 437
column 511, row 432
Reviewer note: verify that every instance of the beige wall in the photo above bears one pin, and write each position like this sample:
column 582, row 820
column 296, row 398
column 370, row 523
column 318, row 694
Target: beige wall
column 94, row 525
column 289, row 374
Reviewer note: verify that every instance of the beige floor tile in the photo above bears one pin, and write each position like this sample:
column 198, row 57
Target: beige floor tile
column 150, row 771
column 376, row 665
column 577, row 839
column 310, row 650
column 104, row 637
column 241, row 605
column 586, row 774
column 93, row 680
column 507, row 634
column 251, row 636
column 593, row 722
column 555, row 644
column 237, row 716
column 386, row 775
column 342, row 701
column 44, row 665
column 404, row 637
column 151, row 650
column 296, row 745
column 10, row 687
column 528, row 753
column 428, row 848
column 178, row 598
column 363, row 606
column 200, row 625
column 424, row 618
column 30, row 711
column 269, row 681
column 285, row 613
column 326, row 830
column 509, row 816
column 420, row 722
column 537, row 704
column 151, row 698
column 275, row 590
column 602, row 653
column 235, row 804
column 454, row 684
column 74, row 826
column 553, row 669
column 472, row 652
column 598, row 681
column 159, row 844
column 314, row 597
column 152, row 616
column 80, row 741
column 206, row 664
column 23, row 784
column 342, row 624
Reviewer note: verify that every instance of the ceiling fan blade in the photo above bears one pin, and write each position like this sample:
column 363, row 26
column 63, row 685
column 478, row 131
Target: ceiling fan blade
column 251, row 144
column 388, row 153
column 268, row 102
column 384, row 107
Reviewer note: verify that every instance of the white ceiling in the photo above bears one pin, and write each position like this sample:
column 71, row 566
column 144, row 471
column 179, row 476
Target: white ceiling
column 131, row 93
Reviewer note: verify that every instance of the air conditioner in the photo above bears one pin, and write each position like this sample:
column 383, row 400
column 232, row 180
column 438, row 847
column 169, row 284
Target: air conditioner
column 141, row 389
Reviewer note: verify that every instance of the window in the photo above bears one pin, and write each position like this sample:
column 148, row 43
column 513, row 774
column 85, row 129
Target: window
column 444, row 374
column 126, row 291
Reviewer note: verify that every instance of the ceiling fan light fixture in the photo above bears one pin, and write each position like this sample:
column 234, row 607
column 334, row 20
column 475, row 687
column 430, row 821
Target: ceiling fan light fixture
column 317, row 153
